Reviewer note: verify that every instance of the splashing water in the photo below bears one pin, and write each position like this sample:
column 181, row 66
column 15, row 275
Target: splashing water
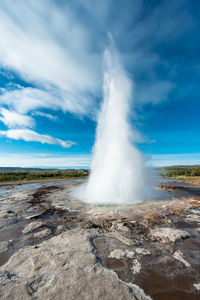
column 117, row 167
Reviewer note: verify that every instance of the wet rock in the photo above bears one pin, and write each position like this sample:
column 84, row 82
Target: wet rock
column 3, row 246
column 43, row 233
column 169, row 234
column 61, row 269
column 32, row 226
column 179, row 256
column 10, row 211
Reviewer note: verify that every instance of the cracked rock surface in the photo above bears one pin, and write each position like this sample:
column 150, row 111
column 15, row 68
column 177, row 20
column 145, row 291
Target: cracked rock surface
column 55, row 247
column 59, row 269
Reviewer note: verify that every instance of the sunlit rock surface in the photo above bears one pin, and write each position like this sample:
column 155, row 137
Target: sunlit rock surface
column 63, row 267
column 55, row 247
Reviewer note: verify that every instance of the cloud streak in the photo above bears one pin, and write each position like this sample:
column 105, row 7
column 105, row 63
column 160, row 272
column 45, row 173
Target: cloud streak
column 32, row 136
column 45, row 115
column 159, row 160
column 29, row 160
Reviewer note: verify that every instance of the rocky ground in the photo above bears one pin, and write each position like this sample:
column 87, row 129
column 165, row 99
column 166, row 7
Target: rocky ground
column 55, row 247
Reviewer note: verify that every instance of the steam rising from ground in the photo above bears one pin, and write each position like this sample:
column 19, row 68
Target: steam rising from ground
column 117, row 168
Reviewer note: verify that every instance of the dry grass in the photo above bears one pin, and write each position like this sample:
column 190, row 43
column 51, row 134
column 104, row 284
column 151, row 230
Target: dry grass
column 177, row 210
column 154, row 218
column 194, row 202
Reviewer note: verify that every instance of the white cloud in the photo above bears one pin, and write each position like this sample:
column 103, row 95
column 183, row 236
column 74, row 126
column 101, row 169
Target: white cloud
column 49, row 47
column 12, row 119
column 29, row 160
column 28, row 99
column 159, row 160
column 32, row 136
column 45, row 115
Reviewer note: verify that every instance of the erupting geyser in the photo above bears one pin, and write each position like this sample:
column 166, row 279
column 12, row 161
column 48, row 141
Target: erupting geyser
column 117, row 169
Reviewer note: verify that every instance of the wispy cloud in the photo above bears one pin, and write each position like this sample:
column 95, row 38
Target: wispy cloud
column 49, row 49
column 26, row 99
column 48, row 46
column 45, row 115
column 29, row 160
column 12, row 119
column 32, row 136
column 60, row 49
column 56, row 48
column 159, row 160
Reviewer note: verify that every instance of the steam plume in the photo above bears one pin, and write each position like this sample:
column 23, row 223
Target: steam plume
column 116, row 169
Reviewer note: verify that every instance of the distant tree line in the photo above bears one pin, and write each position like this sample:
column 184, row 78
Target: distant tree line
column 184, row 172
column 9, row 175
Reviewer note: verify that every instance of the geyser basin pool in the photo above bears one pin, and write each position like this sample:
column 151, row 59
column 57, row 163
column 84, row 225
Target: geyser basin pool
column 117, row 174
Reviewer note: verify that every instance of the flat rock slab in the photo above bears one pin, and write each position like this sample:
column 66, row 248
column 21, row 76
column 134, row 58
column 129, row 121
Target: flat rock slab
column 43, row 233
column 33, row 215
column 169, row 234
column 63, row 267
column 32, row 226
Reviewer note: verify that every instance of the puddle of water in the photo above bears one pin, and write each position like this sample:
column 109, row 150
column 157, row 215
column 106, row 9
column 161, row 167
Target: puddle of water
column 160, row 277
column 160, row 287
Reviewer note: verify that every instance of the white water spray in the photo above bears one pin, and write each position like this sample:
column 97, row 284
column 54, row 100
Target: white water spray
column 117, row 168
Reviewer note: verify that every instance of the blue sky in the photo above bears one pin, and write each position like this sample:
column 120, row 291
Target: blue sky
column 51, row 57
